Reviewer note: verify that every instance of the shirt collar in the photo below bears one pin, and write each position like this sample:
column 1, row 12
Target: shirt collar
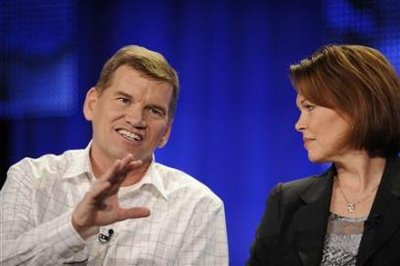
column 82, row 166
column 153, row 177
column 80, row 163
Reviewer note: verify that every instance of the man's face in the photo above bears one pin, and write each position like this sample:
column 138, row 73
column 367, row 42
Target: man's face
column 130, row 116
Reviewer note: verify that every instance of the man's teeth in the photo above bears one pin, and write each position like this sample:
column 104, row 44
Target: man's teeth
column 130, row 135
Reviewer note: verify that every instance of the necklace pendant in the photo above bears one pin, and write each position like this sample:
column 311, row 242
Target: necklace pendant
column 351, row 207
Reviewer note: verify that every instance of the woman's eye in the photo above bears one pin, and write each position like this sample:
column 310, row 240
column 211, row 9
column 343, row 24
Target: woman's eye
column 309, row 107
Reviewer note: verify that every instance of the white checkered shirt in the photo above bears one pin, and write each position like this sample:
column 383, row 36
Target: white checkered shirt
column 186, row 225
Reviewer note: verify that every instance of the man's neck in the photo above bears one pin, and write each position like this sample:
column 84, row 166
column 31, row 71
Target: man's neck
column 99, row 168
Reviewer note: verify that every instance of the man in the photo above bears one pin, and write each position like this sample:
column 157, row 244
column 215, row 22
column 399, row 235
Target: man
column 111, row 203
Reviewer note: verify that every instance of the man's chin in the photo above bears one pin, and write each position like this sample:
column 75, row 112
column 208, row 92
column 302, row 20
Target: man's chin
column 141, row 157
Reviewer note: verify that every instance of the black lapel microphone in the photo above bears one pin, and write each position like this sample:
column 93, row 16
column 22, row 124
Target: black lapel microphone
column 103, row 238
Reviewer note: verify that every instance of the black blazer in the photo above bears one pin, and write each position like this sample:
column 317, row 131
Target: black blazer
column 292, row 230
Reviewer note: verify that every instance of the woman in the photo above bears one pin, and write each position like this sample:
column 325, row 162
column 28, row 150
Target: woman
column 349, row 102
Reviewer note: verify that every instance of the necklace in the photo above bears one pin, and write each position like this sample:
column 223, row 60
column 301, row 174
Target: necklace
column 351, row 206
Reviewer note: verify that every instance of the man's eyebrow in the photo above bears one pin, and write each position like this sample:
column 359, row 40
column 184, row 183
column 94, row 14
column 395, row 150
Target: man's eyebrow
column 123, row 94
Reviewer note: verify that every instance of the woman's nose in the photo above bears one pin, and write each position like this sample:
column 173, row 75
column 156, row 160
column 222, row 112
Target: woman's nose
column 300, row 123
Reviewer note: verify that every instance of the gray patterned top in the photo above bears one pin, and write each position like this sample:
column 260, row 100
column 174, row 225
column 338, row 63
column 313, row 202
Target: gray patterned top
column 342, row 240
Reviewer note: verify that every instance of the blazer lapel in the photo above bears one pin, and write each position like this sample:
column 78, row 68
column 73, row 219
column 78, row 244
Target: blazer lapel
column 384, row 218
column 310, row 221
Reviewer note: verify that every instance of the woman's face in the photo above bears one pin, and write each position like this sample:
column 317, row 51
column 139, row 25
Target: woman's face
column 323, row 131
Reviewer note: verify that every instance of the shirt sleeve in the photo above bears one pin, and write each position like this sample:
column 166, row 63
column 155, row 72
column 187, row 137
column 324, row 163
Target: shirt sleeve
column 23, row 240
column 206, row 239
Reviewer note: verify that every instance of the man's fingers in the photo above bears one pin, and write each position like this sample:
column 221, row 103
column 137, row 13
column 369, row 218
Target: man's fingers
column 122, row 167
column 99, row 190
column 128, row 164
column 112, row 171
column 136, row 212
column 134, row 165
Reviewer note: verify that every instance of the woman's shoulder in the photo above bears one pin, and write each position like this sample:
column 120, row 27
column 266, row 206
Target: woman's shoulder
column 299, row 184
column 292, row 189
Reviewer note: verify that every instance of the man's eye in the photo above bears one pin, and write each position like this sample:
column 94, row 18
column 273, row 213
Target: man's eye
column 123, row 100
column 156, row 111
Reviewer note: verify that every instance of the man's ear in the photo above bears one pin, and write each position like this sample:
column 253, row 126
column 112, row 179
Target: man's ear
column 90, row 103
column 165, row 137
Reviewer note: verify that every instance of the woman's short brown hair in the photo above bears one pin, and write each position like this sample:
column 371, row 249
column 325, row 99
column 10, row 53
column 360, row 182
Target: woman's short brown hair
column 360, row 83
column 150, row 63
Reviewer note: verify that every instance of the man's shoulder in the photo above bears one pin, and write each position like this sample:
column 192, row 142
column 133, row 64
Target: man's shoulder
column 178, row 183
column 49, row 163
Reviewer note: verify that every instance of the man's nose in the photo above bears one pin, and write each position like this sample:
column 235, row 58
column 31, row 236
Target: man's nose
column 135, row 115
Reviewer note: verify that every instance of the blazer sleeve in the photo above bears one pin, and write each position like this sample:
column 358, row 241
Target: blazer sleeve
column 268, row 229
column 274, row 243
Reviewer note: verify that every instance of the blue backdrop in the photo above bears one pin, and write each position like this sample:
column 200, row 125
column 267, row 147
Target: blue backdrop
column 234, row 128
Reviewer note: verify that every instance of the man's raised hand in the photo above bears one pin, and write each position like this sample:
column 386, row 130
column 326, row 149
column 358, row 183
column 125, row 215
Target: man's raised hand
column 100, row 205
